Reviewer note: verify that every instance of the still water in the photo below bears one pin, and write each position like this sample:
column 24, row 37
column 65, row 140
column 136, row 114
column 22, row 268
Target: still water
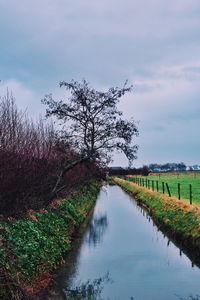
column 122, row 246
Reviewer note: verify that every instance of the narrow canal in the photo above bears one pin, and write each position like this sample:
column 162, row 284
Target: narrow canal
column 122, row 246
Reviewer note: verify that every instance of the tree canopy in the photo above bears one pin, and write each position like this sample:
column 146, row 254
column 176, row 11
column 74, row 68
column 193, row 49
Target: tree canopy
column 92, row 123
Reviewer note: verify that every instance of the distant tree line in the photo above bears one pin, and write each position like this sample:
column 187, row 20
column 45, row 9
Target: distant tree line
column 168, row 167
column 145, row 170
column 194, row 168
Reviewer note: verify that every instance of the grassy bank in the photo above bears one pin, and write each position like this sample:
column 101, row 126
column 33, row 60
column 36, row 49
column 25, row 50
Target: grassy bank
column 184, row 181
column 178, row 217
column 32, row 246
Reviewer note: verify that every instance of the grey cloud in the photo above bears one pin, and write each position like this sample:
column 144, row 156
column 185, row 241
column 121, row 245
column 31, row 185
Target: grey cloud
column 155, row 44
column 84, row 38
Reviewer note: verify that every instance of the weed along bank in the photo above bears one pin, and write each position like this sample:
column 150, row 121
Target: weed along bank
column 32, row 246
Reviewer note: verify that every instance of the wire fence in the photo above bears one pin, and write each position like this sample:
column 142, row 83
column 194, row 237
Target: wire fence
column 180, row 189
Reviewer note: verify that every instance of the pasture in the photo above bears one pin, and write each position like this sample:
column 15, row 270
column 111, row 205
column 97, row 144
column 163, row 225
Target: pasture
column 178, row 183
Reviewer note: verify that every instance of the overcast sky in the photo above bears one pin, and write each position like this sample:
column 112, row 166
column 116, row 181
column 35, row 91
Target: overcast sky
column 154, row 44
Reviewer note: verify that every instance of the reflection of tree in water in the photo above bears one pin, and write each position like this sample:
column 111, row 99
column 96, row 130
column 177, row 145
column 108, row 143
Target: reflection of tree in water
column 96, row 230
column 91, row 290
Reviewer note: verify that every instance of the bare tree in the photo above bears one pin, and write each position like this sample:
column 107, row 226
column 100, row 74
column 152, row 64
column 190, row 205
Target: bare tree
column 31, row 161
column 92, row 123
column 19, row 135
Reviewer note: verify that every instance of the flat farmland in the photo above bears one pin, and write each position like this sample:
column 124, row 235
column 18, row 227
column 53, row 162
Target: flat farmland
column 185, row 180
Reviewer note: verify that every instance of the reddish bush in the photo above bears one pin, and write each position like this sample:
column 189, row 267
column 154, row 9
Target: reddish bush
column 31, row 158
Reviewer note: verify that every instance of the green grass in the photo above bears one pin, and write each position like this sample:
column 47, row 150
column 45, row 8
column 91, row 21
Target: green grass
column 172, row 180
column 167, row 211
column 40, row 240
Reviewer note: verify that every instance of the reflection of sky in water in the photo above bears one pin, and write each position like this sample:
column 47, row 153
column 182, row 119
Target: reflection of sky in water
column 121, row 239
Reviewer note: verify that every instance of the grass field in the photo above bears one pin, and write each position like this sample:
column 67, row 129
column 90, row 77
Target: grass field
column 172, row 180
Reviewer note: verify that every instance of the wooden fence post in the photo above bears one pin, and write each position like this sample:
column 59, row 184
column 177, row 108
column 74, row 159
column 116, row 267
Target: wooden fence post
column 190, row 194
column 179, row 191
column 157, row 186
column 163, row 187
column 168, row 189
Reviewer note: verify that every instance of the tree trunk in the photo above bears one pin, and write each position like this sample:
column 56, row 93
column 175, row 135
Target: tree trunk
column 64, row 170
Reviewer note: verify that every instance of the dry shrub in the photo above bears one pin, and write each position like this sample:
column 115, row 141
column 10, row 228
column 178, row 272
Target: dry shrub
column 31, row 157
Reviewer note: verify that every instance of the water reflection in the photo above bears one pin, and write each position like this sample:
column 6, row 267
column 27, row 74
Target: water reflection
column 191, row 254
column 96, row 230
column 90, row 290
column 141, row 260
